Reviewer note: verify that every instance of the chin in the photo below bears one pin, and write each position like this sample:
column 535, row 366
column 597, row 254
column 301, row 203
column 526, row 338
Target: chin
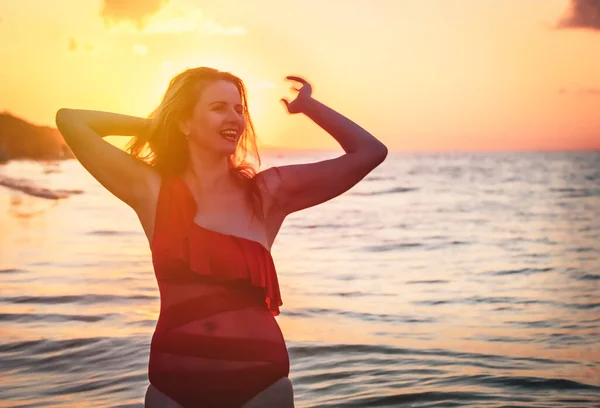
column 230, row 147
column 227, row 151
column 222, row 149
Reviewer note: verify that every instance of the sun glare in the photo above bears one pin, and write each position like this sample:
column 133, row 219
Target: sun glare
column 261, row 92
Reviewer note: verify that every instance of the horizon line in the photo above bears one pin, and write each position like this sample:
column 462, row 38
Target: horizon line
column 283, row 149
column 280, row 149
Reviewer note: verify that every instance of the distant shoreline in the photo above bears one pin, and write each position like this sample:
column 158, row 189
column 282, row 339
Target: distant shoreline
column 21, row 140
column 42, row 192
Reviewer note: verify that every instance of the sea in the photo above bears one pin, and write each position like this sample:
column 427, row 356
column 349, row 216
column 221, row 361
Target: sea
column 442, row 279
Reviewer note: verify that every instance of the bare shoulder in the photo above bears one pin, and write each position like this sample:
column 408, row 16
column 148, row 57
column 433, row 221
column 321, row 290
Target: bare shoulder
column 269, row 179
column 268, row 182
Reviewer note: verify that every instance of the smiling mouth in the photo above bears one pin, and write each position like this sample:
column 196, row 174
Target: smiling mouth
column 230, row 135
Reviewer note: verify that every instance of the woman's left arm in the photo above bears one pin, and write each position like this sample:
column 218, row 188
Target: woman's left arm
column 300, row 186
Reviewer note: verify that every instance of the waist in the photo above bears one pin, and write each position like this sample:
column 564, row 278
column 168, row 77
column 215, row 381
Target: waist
column 179, row 308
column 249, row 334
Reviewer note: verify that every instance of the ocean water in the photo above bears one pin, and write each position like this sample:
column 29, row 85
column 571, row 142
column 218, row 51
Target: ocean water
column 440, row 280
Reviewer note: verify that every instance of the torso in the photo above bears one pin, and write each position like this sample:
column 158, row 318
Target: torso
column 227, row 214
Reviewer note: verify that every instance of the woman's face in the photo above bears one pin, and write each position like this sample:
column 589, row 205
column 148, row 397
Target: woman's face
column 217, row 121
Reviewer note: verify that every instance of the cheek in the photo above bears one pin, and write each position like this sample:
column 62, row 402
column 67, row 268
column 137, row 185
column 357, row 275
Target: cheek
column 209, row 121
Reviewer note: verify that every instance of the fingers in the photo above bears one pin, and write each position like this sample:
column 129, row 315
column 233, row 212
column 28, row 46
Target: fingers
column 286, row 103
column 297, row 79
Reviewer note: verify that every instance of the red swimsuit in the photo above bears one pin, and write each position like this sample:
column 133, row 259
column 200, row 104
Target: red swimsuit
column 216, row 342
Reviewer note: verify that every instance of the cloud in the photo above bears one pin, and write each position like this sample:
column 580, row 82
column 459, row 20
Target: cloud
column 581, row 14
column 136, row 12
column 74, row 46
column 589, row 91
column 162, row 17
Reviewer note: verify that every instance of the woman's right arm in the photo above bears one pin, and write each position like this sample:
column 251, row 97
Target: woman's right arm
column 128, row 178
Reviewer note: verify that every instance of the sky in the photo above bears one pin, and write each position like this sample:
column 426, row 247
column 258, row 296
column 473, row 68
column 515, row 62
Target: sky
column 436, row 75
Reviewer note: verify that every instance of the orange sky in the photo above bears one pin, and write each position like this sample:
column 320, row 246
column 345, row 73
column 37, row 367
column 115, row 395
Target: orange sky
column 420, row 75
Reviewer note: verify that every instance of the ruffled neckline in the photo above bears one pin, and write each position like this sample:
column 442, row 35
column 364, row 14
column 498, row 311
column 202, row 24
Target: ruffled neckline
column 264, row 275
column 194, row 206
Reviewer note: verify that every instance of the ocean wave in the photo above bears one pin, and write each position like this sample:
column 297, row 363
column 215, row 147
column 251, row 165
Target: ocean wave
column 380, row 178
column 11, row 271
column 569, row 192
column 432, row 281
column 322, row 226
column 395, row 190
column 50, row 317
column 26, row 187
column 77, row 299
column 48, row 346
column 526, row 383
column 483, row 300
column 113, row 233
column 392, row 247
column 357, row 293
column 523, row 271
column 371, row 317
column 427, row 399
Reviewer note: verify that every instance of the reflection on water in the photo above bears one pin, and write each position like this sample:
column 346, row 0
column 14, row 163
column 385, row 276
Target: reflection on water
column 440, row 280
column 23, row 207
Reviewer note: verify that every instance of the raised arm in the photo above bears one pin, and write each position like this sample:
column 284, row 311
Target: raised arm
column 295, row 187
column 123, row 175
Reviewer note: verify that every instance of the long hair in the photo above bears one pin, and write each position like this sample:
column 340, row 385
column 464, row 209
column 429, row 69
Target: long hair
column 164, row 146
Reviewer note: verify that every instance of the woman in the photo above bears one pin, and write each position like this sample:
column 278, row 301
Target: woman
column 211, row 220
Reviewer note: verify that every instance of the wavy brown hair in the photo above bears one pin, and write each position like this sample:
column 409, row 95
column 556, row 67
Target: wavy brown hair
column 164, row 146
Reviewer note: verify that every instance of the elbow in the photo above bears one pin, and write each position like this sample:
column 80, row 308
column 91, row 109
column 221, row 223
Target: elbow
column 59, row 118
column 373, row 155
column 63, row 119
column 379, row 152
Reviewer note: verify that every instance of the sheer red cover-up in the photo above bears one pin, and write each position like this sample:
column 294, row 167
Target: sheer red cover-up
column 216, row 342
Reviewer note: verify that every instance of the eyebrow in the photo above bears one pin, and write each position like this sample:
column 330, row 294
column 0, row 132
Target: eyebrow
column 215, row 102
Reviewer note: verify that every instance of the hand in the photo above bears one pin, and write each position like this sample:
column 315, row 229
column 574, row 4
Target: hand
column 298, row 105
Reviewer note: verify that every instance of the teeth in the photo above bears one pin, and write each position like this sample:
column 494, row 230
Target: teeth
column 229, row 134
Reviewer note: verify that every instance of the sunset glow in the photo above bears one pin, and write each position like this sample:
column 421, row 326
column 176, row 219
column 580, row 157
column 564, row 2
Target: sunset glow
column 436, row 75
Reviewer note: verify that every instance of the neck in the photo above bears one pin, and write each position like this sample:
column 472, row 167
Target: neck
column 208, row 172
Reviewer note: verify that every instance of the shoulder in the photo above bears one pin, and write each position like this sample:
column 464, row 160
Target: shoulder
column 269, row 179
column 268, row 182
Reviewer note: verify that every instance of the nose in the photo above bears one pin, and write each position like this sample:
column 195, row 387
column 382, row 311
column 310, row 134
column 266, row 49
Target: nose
column 234, row 117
